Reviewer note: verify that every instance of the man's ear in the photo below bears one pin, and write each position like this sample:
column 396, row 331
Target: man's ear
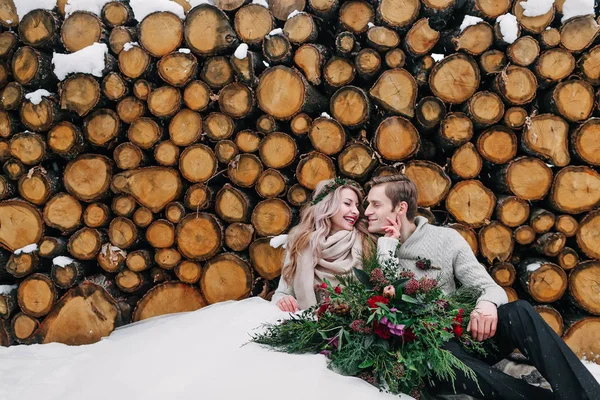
column 402, row 208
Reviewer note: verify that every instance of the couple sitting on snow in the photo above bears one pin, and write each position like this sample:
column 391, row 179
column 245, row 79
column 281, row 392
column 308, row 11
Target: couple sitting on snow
column 328, row 242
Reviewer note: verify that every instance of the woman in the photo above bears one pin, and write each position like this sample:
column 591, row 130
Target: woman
column 327, row 242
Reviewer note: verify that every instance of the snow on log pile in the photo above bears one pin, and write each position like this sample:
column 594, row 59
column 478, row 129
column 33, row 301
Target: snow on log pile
column 151, row 149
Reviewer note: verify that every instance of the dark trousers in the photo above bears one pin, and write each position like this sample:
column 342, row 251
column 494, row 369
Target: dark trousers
column 520, row 326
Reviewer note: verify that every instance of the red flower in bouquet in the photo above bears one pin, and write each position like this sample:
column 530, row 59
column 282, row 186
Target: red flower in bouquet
column 457, row 330
column 372, row 302
column 337, row 290
column 322, row 309
column 381, row 330
column 409, row 335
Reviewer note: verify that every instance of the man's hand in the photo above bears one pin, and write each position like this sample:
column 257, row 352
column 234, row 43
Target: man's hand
column 287, row 303
column 484, row 320
column 393, row 229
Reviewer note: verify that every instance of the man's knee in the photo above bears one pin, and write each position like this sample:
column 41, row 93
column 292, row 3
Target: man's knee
column 518, row 306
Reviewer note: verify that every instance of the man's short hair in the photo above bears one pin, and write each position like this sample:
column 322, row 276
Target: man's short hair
column 398, row 188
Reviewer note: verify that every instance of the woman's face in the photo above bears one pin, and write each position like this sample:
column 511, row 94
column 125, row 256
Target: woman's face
column 347, row 215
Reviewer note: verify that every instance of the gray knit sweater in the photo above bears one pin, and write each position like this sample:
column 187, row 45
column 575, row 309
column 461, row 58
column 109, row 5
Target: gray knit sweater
column 447, row 250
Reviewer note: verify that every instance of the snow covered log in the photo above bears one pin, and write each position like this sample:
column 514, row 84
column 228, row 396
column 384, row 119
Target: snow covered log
column 163, row 143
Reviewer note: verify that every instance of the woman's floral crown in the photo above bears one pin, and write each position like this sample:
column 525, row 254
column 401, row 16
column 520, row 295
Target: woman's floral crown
column 331, row 187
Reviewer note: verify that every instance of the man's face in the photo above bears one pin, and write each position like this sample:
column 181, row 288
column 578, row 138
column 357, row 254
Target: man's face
column 379, row 209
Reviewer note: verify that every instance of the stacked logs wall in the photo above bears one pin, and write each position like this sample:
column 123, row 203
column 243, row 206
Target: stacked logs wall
column 155, row 185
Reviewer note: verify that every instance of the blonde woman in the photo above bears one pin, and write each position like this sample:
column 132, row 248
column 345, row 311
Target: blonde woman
column 327, row 242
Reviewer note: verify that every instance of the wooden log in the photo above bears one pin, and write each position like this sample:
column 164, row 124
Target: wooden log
column 244, row 170
column 488, row 9
column 542, row 220
column 577, row 337
column 484, row 109
column 382, row 38
column 313, row 168
column 166, row 153
column 199, row 236
column 14, row 169
column 455, row 130
column 497, row 145
column 88, row 177
column 219, row 126
column 226, row 151
column 120, row 35
column 8, row 302
column 277, row 48
column 185, row 127
column 177, row 68
column 7, row 188
column 573, row 99
column 430, row 111
column 63, row 212
column 128, row 156
column 455, row 78
column 40, row 28
column 301, row 28
column 133, row 283
column 226, row 277
column 396, row 139
column 398, row 16
column 579, row 33
column 526, row 177
column 111, row 258
column 247, row 141
column 117, row 13
column 532, row 24
column 52, row 247
column 298, row 195
column 420, row 38
column 271, row 183
column 102, row 127
column 252, row 23
column 368, row 63
column 554, row 65
column 144, row 133
column 395, row 91
column 493, row 61
column 8, row 44
column 217, row 72
column 79, row 93
column 67, row 272
column 550, row 244
column 584, row 143
column 142, row 217
column 338, row 72
column 266, row 260
column 87, row 305
column 236, row 100
column 123, row 205
column 82, row 29
column 123, row 233
column 474, row 39
column 524, row 51
column 512, row 211
column 346, row 43
column 524, row 235
column 496, row 242
column 566, row 224
column 130, row 109
column 167, row 298
column 549, row 38
column 355, row 15
column 38, row 185
column 546, row 136
column 167, row 258
column 20, row 224
column 395, row 58
column 22, row 264
column 198, row 197
column 266, row 124
column 197, row 163
column 37, row 295
column 238, row 236
column 568, row 258
column 516, row 85
column 356, row 161
column 471, row 202
column 248, row 68
column 135, row 62
column 197, row 96
column 271, row 217
column 587, row 239
column 164, row 102
column 40, row 117
column 232, row 205
column 27, row 147
column 161, row 234
column 22, row 327
column 582, row 286
column 12, row 94
column 31, row 67
column 432, row 182
column 282, row 93
column 546, row 282
column 157, row 40
column 142, row 88
column 575, row 189
column 152, row 187
column 66, row 140
column 468, row 234
column 504, row 274
column 552, row 318
column 188, row 272
column 86, row 243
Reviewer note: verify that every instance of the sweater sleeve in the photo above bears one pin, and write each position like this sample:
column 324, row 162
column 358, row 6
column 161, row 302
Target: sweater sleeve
column 386, row 248
column 283, row 289
column 469, row 271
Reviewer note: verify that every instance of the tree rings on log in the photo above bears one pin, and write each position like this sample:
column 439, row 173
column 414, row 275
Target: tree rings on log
column 160, row 33
column 527, row 177
column 271, row 217
column 396, row 139
column 266, row 260
column 152, row 187
column 455, row 78
column 587, row 235
column 546, row 282
column 471, row 202
column 244, row 170
column 583, row 288
column 552, row 318
column 546, row 136
column 583, row 337
column 238, row 236
column 432, row 182
column 314, row 168
column 199, row 236
column 207, row 30
column 226, row 277
column 576, row 189
column 496, row 242
column 396, row 91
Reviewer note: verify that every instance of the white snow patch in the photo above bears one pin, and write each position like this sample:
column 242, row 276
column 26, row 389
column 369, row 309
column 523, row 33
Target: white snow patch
column 93, row 6
column 36, row 97
column 261, row 3
column 593, row 368
column 6, row 289
column 278, row 241
column 324, row 114
column 89, row 60
column 62, row 261
column 535, row 8
column 370, row 25
column 30, row 248
column 241, row 52
column 576, row 8
column 25, row 6
column 293, row 14
column 185, row 51
column 509, row 27
column 468, row 21
column 437, row 57
column 141, row 8
column 533, row 266
column 266, row 64
column 274, row 32
column 130, row 45
column 194, row 3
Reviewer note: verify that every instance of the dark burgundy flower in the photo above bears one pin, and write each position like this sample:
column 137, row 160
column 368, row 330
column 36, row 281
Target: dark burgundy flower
column 372, row 302
column 411, row 287
column 381, row 330
column 338, row 290
column 409, row 335
column 423, row 264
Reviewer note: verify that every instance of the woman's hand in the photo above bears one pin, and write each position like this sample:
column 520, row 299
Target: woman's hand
column 287, row 303
column 393, row 229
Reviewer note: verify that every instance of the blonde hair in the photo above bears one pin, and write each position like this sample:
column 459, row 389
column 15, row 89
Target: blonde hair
column 315, row 225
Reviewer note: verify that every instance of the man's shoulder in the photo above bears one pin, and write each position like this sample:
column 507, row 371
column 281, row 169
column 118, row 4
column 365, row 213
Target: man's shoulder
column 442, row 232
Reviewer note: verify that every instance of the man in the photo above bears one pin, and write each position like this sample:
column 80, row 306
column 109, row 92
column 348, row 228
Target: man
column 391, row 212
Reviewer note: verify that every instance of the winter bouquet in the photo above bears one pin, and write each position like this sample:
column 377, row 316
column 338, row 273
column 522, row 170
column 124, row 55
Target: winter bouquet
column 383, row 326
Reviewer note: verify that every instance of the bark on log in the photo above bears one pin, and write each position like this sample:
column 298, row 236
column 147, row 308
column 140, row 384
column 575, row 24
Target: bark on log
column 546, row 282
